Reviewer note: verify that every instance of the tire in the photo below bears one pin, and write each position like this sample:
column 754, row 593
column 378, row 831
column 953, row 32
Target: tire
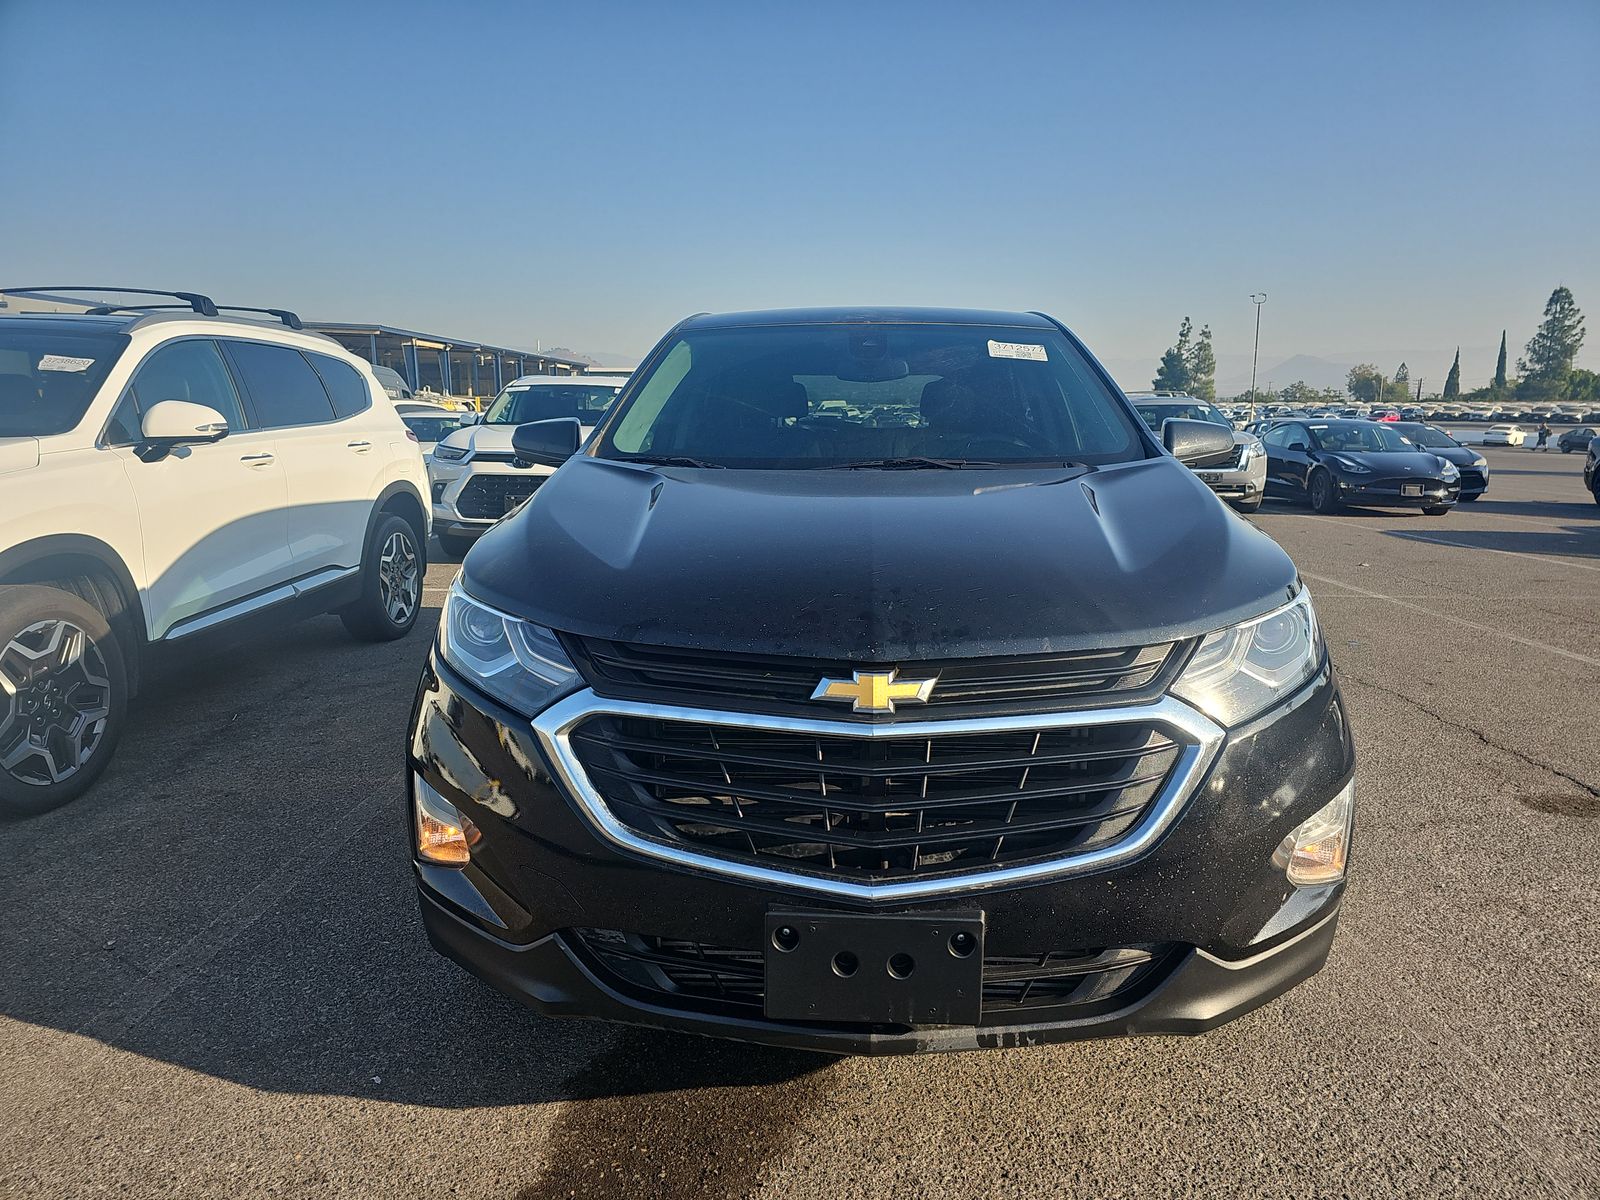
column 1472, row 499
column 1437, row 510
column 1321, row 493
column 1566, row 449
column 392, row 573
column 1246, row 506
column 65, row 701
column 455, row 545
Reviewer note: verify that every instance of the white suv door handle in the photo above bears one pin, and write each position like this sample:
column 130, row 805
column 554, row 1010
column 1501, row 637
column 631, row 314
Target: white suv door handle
column 359, row 447
column 258, row 460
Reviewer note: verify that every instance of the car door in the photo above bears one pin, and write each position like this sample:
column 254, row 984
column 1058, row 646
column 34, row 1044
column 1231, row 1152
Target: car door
column 328, row 464
column 1296, row 458
column 212, row 518
column 1275, row 440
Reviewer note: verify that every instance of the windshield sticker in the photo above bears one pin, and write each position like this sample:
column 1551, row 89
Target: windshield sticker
column 1016, row 350
column 63, row 362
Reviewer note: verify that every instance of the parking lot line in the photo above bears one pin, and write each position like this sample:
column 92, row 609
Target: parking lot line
column 1490, row 629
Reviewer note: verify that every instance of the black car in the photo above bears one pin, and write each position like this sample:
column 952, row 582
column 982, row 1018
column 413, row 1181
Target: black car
column 1576, row 439
column 984, row 728
column 1591, row 469
column 1473, row 467
column 1331, row 463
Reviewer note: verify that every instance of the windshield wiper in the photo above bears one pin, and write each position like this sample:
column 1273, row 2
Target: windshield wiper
column 909, row 463
column 670, row 460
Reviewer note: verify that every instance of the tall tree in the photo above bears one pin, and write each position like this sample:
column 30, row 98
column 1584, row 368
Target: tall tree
column 1402, row 373
column 1202, row 364
column 1452, row 381
column 1500, row 367
column 1173, row 374
column 1547, row 361
column 1365, row 383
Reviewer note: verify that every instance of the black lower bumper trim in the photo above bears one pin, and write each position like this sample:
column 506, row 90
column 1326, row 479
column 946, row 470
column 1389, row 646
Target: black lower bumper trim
column 1200, row 993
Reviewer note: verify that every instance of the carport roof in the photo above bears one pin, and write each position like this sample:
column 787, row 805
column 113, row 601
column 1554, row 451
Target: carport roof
column 354, row 327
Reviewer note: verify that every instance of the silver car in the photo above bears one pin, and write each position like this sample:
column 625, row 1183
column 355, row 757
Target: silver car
column 1242, row 481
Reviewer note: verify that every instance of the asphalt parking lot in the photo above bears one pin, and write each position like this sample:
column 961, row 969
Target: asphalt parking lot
column 213, row 981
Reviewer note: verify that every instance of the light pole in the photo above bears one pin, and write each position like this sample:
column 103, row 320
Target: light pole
column 1258, row 299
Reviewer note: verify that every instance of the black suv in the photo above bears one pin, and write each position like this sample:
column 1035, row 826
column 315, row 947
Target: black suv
column 876, row 682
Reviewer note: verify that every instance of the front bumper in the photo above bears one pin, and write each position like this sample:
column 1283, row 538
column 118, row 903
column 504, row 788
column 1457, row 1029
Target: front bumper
column 1237, row 483
column 469, row 495
column 1233, row 932
column 1385, row 493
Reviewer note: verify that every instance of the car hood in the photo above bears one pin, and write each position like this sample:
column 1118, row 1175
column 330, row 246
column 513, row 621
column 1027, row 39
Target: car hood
column 1462, row 456
column 18, row 454
column 1390, row 463
column 877, row 566
column 486, row 439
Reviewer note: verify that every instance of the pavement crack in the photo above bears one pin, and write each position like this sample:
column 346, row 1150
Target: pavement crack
column 1451, row 723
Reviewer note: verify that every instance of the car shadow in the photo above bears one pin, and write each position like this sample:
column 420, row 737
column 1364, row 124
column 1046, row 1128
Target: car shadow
column 234, row 897
column 1575, row 541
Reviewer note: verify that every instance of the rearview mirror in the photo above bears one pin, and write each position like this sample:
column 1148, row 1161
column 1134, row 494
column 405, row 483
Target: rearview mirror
column 549, row 443
column 172, row 423
column 1197, row 443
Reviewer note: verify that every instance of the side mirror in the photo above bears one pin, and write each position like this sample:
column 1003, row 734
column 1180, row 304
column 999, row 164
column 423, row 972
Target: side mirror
column 1197, row 443
column 549, row 443
column 172, row 423
column 471, row 418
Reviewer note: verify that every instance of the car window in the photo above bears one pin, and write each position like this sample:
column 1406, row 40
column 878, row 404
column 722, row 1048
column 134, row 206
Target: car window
column 344, row 384
column 283, row 388
column 523, row 402
column 820, row 395
column 189, row 370
column 49, row 376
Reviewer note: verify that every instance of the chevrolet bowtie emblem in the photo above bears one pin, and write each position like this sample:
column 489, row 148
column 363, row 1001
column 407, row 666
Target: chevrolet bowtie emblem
column 875, row 691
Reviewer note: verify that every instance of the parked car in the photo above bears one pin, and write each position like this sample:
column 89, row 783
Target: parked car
column 825, row 734
column 166, row 476
column 1591, row 469
column 1239, row 476
column 393, row 383
column 476, row 475
column 1328, row 464
column 1474, row 468
column 1504, row 435
column 1384, row 414
column 1576, row 439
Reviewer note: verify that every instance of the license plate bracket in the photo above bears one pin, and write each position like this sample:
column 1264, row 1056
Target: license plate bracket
column 512, row 501
column 1210, row 476
column 1411, row 489
column 904, row 969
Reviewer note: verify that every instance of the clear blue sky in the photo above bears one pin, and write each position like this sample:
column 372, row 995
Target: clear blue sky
column 1398, row 178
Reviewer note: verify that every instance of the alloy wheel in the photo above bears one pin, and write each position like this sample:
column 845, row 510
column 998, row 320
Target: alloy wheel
column 55, row 699
column 399, row 578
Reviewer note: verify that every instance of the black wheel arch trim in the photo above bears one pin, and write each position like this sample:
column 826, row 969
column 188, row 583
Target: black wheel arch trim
column 128, row 620
column 382, row 506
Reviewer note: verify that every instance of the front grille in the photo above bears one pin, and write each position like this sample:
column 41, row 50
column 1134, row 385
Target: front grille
column 972, row 686
column 490, row 497
column 1473, row 478
column 696, row 974
column 876, row 809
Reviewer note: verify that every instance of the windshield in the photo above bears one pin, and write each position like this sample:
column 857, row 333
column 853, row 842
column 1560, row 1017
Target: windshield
column 432, row 429
column 524, row 402
column 1189, row 410
column 49, row 376
column 831, row 395
column 1429, row 437
column 1359, row 436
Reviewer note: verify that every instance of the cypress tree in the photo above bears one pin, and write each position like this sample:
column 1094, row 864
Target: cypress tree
column 1452, row 381
column 1500, row 367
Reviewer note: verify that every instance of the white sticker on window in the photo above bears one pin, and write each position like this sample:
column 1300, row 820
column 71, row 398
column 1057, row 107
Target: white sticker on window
column 1016, row 350
column 62, row 362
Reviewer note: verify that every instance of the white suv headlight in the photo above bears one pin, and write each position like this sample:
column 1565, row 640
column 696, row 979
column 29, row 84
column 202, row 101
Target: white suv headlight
column 520, row 664
column 1239, row 672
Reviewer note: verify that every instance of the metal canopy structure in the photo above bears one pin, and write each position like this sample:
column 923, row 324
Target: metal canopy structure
column 451, row 366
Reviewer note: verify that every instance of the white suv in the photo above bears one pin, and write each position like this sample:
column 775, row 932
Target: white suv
column 477, row 479
column 164, row 475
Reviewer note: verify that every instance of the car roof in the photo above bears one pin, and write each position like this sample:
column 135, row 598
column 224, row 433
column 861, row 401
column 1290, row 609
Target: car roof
column 567, row 380
column 872, row 315
column 77, row 322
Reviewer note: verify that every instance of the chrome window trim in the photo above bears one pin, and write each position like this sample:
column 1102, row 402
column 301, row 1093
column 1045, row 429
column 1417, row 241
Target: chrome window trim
column 1201, row 741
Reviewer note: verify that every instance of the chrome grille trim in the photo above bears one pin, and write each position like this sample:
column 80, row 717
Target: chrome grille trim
column 1199, row 739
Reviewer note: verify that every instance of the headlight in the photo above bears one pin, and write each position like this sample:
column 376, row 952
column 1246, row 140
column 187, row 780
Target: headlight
column 1351, row 465
column 449, row 453
column 1480, row 462
column 520, row 664
column 1448, row 470
column 1315, row 851
column 1253, row 450
column 1238, row 672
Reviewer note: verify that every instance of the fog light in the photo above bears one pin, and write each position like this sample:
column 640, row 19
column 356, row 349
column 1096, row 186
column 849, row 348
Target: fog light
column 1315, row 851
column 444, row 836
